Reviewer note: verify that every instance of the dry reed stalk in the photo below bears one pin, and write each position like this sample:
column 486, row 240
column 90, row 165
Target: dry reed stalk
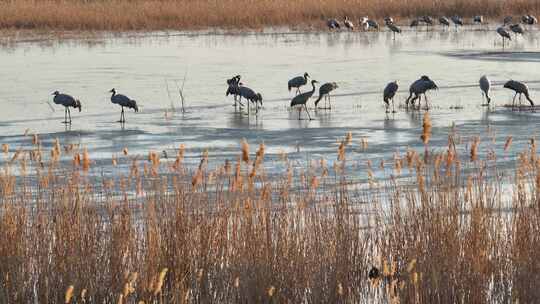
column 69, row 294
column 426, row 129
column 86, row 160
column 245, row 150
column 474, row 148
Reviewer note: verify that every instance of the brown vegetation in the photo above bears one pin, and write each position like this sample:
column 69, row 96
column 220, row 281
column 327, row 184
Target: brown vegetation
column 239, row 14
column 165, row 233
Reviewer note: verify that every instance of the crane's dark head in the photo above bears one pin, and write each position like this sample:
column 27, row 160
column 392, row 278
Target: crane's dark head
column 508, row 84
column 112, row 91
column 55, row 93
column 425, row 78
column 306, row 75
column 314, row 81
column 78, row 105
column 433, row 85
column 260, row 99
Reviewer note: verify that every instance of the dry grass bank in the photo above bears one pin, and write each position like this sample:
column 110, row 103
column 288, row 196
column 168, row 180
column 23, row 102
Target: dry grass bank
column 164, row 233
column 120, row 15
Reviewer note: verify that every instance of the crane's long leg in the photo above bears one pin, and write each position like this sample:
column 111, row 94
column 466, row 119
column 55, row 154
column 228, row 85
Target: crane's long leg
column 514, row 101
column 122, row 115
column 307, row 111
column 299, row 111
column 329, row 102
column 69, row 114
column 393, row 106
column 65, row 114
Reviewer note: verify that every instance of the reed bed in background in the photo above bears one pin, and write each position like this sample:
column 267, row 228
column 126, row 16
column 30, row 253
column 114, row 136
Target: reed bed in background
column 120, row 15
column 165, row 233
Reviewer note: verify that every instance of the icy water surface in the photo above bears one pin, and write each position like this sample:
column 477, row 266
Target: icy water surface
column 148, row 68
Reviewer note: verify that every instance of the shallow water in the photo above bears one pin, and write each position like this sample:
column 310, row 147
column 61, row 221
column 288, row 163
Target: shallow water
column 148, row 68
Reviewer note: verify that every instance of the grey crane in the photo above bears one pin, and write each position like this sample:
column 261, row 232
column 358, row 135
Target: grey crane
column 444, row 21
column 415, row 23
column 388, row 20
column 373, row 24
column 123, row 101
column 303, row 98
column 251, row 96
column 478, row 19
column 529, row 19
column 388, row 95
column 232, row 88
column 507, row 20
column 324, row 91
column 458, row 21
column 394, row 29
column 348, row 24
column 333, row 24
column 517, row 29
column 485, row 85
column 67, row 101
column 427, row 20
column 519, row 88
column 297, row 82
column 364, row 23
column 504, row 34
column 419, row 88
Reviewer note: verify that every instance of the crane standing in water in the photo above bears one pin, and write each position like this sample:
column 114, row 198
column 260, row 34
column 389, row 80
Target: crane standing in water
column 297, row 82
column 390, row 24
column 303, row 98
column 520, row 88
column 324, row 91
column 485, row 85
column 388, row 95
column 123, row 101
column 419, row 88
column 458, row 21
column 504, row 34
column 67, row 101
column 233, row 88
column 251, row 96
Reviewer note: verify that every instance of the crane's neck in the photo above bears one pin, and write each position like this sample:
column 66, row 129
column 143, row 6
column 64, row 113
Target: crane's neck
column 313, row 89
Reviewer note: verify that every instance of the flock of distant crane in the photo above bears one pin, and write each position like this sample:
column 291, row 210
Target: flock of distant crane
column 416, row 89
column 367, row 24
